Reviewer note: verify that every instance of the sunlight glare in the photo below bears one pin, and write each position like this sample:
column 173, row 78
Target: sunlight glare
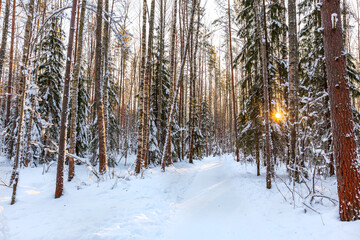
column 278, row 115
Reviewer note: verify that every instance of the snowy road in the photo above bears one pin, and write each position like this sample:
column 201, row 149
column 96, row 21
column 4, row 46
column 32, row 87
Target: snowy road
column 214, row 199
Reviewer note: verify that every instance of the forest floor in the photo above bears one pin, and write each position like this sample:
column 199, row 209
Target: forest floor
column 212, row 199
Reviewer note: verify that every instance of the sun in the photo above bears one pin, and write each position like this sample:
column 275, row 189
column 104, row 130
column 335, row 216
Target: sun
column 278, row 115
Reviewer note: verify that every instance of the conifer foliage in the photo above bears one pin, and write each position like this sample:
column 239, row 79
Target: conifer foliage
column 50, row 84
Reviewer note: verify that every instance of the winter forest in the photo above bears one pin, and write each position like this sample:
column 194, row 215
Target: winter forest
column 179, row 119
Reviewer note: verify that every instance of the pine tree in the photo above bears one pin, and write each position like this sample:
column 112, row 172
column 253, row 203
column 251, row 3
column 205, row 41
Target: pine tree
column 345, row 150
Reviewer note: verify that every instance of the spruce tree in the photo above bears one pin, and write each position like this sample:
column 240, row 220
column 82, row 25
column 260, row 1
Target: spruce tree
column 50, row 84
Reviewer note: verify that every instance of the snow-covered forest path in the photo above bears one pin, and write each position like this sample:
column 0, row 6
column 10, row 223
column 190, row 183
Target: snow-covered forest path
column 213, row 199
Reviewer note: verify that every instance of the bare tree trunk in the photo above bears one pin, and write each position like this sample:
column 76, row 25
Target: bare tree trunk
column 263, row 43
column 147, row 85
column 233, row 87
column 4, row 36
column 106, row 73
column 159, row 74
column 98, row 87
column 74, row 91
column 192, row 86
column 140, row 147
column 172, row 71
column 11, row 62
column 293, row 80
column 345, row 151
column 64, row 110
column 173, row 101
column 22, row 93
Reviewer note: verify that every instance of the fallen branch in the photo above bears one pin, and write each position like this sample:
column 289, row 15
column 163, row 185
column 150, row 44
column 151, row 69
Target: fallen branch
column 279, row 190
column 311, row 208
column 84, row 160
column 332, row 200
column 4, row 184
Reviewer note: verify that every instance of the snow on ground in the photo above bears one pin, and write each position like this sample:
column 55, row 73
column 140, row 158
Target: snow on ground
column 213, row 199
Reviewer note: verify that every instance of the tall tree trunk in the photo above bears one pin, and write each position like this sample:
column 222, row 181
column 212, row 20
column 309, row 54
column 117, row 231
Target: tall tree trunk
column 293, row 80
column 147, row 84
column 106, row 73
column 74, row 90
column 22, row 93
column 98, row 87
column 172, row 73
column 233, row 87
column 140, row 141
column 264, row 58
column 4, row 36
column 173, row 101
column 64, row 110
column 345, row 151
column 11, row 63
column 193, row 84
column 159, row 76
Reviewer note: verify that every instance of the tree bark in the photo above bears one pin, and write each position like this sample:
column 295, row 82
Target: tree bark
column 293, row 80
column 98, row 87
column 106, row 40
column 147, row 85
column 11, row 63
column 74, row 91
column 172, row 74
column 345, row 152
column 264, row 58
column 4, row 36
column 64, row 110
column 193, row 85
column 233, row 87
column 140, row 146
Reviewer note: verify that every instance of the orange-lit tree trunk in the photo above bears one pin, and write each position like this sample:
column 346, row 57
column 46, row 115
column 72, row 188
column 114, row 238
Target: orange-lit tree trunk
column 74, row 91
column 64, row 110
column 345, row 152
column 98, row 93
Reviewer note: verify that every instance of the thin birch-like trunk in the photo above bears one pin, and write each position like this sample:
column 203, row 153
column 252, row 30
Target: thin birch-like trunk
column 140, row 141
column 173, row 101
column 22, row 93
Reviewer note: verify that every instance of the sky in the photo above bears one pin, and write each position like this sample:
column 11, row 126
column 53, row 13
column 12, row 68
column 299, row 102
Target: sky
column 212, row 13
